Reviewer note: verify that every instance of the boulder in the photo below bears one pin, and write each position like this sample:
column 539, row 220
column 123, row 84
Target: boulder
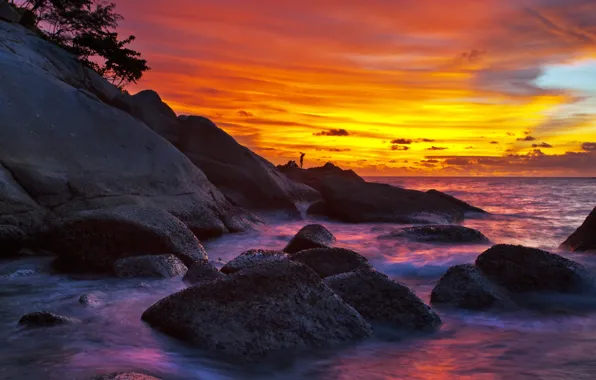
column 65, row 148
column 520, row 269
column 314, row 177
column 8, row 13
column 45, row 319
column 251, row 259
column 439, row 234
column 281, row 305
column 466, row 207
column 93, row 299
column 383, row 301
column 148, row 107
column 318, row 209
column 12, row 240
column 125, row 376
column 310, row 236
column 328, row 262
column 464, row 286
column 584, row 238
column 202, row 272
column 161, row 266
column 91, row 241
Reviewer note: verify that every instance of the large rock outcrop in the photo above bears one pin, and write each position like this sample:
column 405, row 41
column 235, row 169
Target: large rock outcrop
column 584, row 238
column 65, row 147
column 253, row 258
column 331, row 261
column 314, row 177
column 278, row 306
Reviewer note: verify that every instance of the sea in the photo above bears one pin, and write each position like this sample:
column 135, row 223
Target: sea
column 535, row 212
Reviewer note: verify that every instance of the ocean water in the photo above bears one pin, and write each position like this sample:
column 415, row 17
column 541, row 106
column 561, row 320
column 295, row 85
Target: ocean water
column 524, row 345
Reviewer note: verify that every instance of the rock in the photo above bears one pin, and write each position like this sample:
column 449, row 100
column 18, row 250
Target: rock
column 65, row 148
column 314, row 177
column 8, row 13
column 281, row 305
column 331, row 261
column 12, row 240
column 362, row 202
column 464, row 286
column 93, row 299
column 520, row 269
column 439, row 234
column 125, row 376
column 93, row 240
column 319, row 208
column 202, row 272
column 45, row 319
column 161, row 266
column 466, row 207
column 148, row 107
column 310, row 236
column 383, row 301
column 253, row 258
column 584, row 238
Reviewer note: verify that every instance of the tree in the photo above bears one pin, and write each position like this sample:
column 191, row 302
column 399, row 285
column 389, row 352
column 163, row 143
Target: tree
column 86, row 28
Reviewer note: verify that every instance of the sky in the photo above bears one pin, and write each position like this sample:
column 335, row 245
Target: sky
column 385, row 87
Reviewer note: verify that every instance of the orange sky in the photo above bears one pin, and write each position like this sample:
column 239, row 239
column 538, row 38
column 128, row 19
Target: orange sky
column 387, row 87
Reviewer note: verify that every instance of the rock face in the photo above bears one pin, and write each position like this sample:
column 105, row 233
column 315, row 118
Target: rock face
column 357, row 202
column 279, row 306
column 439, row 234
column 202, row 272
column 64, row 147
column 331, row 261
column 161, row 266
column 584, row 238
column 44, row 319
column 253, row 258
column 383, row 301
column 125, row 376
column 466, row 207
column 465, row 287
column 314, row 177
column 91, row 241
column 521, row 269
column 310, row 236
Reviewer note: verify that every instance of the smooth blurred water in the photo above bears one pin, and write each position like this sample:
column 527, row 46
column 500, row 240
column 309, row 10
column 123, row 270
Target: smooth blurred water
column 532, row 212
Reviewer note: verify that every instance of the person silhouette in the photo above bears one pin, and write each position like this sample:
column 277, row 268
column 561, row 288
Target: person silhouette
column 302, row 158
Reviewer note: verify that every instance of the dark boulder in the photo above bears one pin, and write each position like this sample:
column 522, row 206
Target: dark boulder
column 318, row 209
column 161, row 266
column 439, row 234
column 466, row 207
column 45, row 319
column 12, row 240
column 331, row 261
column 278, row 306
column 310, row 236
column 125, row 376
column 383, row 301
column 314, row 177
column 253, row 258
column 464, row 286
column 584, row 238
column 93, row 299
column 202, row 272
column 520, row 269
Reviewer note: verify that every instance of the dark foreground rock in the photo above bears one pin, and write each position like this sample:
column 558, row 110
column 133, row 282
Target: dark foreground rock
column 319, row 208
column 464, row 286
column 12, row 240
column 125, row 376
column 310, row 236
column 91, row 241
column 202, row 272
column 584, row 238
column 160, row 266
column 466, row 207
column 331, row 261
column 314, row 177
column 253, row 258
column 93, row 299
column 520, row 269
column 439, row 234
column 45, row 319
column 278, row 306
column 383, row 301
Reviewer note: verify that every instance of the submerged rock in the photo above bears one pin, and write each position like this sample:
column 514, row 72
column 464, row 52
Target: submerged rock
column 383, row 301
column 280, row 305
column 125, row 376
column 584, row 238
column 202, row 272
column 520, row 269
column 45, row 319
column 93, row 240
column 464, row 286
column 162, row 266
column 310, row 236
column 253, row 258
column 331, row 261
column 439, row 234
column 93, row 299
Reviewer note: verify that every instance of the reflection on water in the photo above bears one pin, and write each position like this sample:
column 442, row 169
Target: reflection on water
column 534, row 212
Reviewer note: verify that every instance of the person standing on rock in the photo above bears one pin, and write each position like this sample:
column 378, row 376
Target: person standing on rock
column 302, row 159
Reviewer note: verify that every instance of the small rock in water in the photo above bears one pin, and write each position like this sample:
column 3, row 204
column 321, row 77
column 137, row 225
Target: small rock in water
column 310, row 236
column 93, row 299
column 584, row 238
column 162, row 266
column 201, row 272
column 45, row 319
column 253, row 258
column 331, row 261
column 125, row 376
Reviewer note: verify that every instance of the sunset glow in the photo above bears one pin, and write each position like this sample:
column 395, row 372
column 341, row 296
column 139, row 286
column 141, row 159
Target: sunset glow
column 386, row 87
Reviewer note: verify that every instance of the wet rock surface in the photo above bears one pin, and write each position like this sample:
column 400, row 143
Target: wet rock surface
column 331, row 261
column 202, row 272
column 253, row 258
column 159, row 266
column 310, row 236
